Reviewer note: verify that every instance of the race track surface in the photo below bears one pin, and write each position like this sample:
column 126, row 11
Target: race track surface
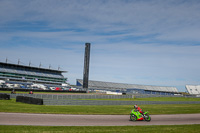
column 93, row 120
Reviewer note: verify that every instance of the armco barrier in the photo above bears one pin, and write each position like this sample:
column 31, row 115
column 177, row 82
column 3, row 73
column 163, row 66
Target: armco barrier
column 29, row 100
column 4, row 96
column 35, row 90
column 106, row 102
column 74, row 96
column 82, row 96
column 49, row 99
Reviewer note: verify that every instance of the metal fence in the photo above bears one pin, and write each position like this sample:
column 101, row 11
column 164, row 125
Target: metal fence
column 49, row 99
column 110, row 102
column 81, row 96
column 59, row 97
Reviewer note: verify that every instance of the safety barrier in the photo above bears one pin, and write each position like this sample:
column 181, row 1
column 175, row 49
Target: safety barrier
column 110, row 102
column 29, row 100
column 4, row 96
column 56, row 99
column 74, row 96
column 91, row 96
column 35, row 90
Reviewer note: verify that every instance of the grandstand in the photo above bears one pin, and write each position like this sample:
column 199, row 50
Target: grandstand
column 130, row 88
column 15, row 73
column 193, row 89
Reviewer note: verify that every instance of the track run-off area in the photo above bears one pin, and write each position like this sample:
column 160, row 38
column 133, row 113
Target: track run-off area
column 93, row 120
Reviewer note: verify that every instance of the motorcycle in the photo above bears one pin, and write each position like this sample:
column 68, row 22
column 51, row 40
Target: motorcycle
column 135, row 115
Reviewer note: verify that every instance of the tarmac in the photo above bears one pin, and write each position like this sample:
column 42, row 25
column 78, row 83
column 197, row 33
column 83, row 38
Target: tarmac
column 93, row 120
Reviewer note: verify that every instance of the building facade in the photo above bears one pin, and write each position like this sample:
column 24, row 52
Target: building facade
column 130, row 88
column 193, row 89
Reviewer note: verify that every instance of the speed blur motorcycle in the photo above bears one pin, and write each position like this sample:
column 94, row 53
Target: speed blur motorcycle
column 135, row 115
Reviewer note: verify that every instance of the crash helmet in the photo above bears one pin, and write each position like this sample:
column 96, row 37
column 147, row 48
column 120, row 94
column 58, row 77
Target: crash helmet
column 135, row 106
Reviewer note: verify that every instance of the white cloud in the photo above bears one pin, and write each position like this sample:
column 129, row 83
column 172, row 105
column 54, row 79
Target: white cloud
column 143, row 16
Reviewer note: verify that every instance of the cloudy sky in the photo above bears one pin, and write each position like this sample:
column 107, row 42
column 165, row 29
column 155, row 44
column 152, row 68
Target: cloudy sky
column 148, row 42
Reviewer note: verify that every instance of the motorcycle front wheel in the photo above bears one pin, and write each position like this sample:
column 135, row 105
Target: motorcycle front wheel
column 147, row 118
column 133, row 117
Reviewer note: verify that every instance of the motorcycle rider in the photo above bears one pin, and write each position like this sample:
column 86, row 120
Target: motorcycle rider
column 138, row 109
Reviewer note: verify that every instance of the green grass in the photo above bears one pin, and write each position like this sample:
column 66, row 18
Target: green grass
column 13, row 106
column 102, row 129
column 167, row 99
column 153, row 99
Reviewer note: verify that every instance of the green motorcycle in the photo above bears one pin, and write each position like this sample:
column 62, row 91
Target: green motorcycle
column 135, row 115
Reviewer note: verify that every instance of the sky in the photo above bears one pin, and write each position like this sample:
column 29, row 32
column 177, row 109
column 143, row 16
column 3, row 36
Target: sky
column 145, row 42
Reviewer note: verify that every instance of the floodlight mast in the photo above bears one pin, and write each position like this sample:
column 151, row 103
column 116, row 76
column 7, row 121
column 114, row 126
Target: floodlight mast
column 86, row 66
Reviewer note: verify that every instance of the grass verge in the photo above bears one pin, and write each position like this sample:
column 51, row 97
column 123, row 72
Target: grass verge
column 101, row 129
column 13, row 106
column 152, row 99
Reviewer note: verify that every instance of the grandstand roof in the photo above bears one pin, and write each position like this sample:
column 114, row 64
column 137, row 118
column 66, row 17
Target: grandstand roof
column 31, row 67
column 34, row 73
column 111, row 85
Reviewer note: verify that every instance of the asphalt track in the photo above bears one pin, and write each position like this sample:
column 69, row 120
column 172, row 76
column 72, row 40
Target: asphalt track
column 93, row 120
